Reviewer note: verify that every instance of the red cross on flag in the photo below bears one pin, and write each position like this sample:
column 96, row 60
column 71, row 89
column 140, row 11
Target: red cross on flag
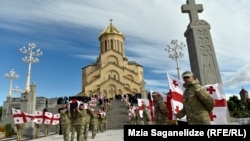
column 47, row 118
column 74, row 103
column 219, row 113
column 39, row 117
column 29, row 117
column 149, row 104
column 55, row 119
column 175, row 98
column 21, row 117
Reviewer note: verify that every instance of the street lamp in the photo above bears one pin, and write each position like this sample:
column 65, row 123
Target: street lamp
column 16, row 89
column 175, row 54
column 30, row 59
column 11, row 75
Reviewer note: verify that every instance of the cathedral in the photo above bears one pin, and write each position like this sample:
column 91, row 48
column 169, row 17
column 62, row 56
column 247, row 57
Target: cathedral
column 112, row 74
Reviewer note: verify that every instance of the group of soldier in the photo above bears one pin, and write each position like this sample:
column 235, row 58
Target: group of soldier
column 197, row 106
column 83, row 118
column 145, row 117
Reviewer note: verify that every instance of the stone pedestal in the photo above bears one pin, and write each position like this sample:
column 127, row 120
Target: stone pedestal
column 28, row 105
column 6, row 113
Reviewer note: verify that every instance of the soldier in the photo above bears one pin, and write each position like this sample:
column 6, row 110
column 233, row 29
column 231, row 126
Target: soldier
column 132, row 116
column 72, row 128
column 100, row 120
column 60, row 126
column 197, row 102
column 160, row 109
column 146, row 115
column 105, row 122
column 19, row 131
column 65, row 122
column 46, row 126
column 138, row 119
column 38, row 127
column 87, row 122
column 109, row 105
column 94, row 123
column 80, row 121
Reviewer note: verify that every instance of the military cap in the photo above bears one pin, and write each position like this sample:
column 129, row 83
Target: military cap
column 187, row 74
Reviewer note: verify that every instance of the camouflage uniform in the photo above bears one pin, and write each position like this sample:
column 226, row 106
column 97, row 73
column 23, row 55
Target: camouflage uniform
column 105, row 122
column 94, row 123
column 65, row 123
column 146, row 115
column 46, row 129
column 19, row 131
column 100, row 125
column 101, row 114
column 72, row 127
column 132, row 118
column 138, row 119
column 80, row 121
column 105, row 106
column 160, row 110
column 197, row 104
column 46, row 126
column 38, row 127
column 86, row 125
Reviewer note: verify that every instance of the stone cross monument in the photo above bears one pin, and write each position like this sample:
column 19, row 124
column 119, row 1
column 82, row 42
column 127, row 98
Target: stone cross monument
column 28, row 105
column 200, row 46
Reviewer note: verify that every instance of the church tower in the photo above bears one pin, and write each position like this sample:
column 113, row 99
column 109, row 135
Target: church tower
column 112, row 73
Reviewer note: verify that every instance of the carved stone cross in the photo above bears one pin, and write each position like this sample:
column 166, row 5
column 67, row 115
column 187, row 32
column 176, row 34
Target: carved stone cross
column 193, row 9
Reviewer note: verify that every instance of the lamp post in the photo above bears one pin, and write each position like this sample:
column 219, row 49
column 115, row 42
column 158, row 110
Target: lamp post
column 30, row 59
column 16, row 90
column 11, row 75
column 175, row 54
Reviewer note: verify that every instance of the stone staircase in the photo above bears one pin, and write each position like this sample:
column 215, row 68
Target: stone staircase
column 118, row 115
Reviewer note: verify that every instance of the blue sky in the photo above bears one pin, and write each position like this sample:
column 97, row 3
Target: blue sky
column 67, row 34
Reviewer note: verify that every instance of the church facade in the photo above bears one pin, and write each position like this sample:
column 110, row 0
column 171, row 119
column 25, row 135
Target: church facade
column 112, row 73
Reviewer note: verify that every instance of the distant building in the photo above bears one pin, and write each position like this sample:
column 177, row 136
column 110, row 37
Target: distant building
column 244, row 95
column 15, row 102
column 112, row 74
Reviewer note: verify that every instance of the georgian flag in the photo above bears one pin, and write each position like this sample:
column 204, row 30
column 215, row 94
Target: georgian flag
column 149, row 104
column 21, row 117
column 39, row 117
column 175, row 99
column 18, row 116
column 219, row 113
column 75, row 103
column 131, row 112
column 102, row 113
column 29, row 117
column 55, row 119
column 47, row 118
column 92, row 102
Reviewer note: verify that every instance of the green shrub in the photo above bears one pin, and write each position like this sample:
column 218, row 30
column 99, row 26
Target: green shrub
column 8, row 130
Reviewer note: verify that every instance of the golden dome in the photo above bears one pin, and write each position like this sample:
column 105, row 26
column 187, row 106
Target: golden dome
column 111, row 29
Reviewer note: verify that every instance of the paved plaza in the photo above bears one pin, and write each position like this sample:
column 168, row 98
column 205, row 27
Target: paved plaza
column 109, row 135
